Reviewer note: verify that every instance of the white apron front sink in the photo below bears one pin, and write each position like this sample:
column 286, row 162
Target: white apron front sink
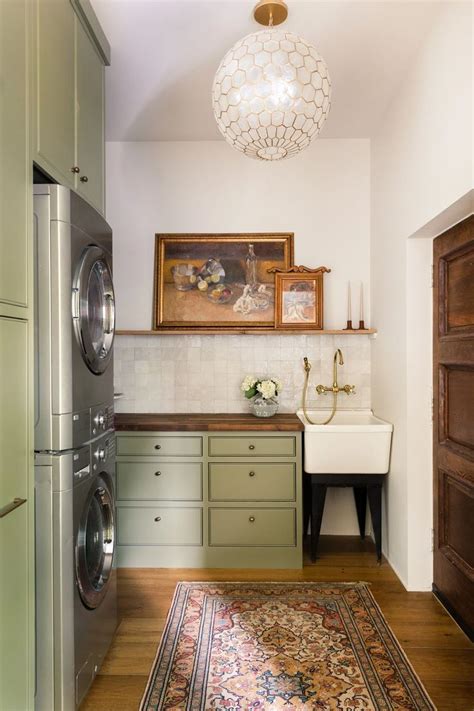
column 354, row 442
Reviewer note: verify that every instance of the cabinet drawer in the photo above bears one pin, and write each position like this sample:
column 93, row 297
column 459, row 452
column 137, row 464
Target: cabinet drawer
column 252, row 446
column 252, row 527
column 160, row 446
column 252, row 482
column 168, row 481
column 159, row 526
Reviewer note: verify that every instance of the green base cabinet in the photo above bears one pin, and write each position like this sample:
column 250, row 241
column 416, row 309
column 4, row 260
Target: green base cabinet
column 212, row 500
column 16, row 521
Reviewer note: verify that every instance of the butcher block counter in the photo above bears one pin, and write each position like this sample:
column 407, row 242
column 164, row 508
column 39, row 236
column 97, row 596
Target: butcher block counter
column 209, row 490
column 205, row 423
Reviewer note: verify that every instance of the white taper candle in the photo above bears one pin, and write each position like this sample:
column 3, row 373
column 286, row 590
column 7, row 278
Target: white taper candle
column 361, row 317
column 349, row 304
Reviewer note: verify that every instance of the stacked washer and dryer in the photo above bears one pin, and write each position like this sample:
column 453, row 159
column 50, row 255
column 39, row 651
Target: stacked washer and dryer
column 76, row 602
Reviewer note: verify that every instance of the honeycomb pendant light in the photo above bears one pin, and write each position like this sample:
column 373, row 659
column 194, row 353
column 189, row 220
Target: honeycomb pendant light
column 272, row 92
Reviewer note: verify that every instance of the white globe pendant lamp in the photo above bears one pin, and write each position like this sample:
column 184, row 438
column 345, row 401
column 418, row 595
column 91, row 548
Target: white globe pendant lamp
column 272, row 92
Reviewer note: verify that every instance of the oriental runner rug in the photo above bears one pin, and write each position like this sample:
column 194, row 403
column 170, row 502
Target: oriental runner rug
column 248, row 646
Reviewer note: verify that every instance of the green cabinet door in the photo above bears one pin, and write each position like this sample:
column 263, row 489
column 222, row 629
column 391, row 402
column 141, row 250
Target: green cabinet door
column 90, row 119
column 14, row 166
column 55, row 89
column 16, row 587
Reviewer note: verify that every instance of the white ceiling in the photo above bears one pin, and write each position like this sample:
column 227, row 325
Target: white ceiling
column 165, row 54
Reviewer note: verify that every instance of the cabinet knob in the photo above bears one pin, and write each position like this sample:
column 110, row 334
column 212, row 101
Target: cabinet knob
column 157, row 473
column 158, row 518
column 251, row 519
column 75, row 169
column 251, row 446
column 157, row 446
column 84, row 179
column 251, row 473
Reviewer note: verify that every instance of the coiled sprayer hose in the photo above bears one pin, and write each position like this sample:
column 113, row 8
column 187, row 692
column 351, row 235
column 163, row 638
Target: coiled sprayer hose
column 307, row 368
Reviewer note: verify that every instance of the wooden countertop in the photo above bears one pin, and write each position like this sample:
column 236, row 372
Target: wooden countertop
column 233, row 422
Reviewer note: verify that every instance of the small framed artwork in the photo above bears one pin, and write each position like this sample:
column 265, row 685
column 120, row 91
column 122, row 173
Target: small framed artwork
column 218, row 281
column 299, row 297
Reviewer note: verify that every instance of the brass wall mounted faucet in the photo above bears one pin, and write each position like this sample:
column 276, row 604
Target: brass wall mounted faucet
column 348, row 389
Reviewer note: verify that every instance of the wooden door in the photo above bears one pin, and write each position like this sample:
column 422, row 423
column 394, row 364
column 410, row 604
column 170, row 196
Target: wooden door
column 16, row 559
column 55, row 110
column 453, row 435
column 90, row 119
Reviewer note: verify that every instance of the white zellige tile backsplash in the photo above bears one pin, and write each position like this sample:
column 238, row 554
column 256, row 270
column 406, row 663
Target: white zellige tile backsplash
column 203, row 373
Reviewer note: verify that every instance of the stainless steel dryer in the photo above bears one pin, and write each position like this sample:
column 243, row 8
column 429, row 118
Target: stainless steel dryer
column 75, row 320
column 76, row 596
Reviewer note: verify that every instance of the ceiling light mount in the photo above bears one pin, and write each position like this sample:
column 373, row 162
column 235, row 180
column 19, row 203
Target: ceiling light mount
column 270, row 12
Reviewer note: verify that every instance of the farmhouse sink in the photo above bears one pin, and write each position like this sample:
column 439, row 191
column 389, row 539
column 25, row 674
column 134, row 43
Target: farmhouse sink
column 354, row 442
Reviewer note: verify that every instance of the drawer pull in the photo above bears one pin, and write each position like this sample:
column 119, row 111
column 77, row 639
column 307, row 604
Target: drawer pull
column 251, row 446
column 157, row 473
column 251, row 519
column 158, row 518
column 11, row 507
column 251, row 473
column 157, row 446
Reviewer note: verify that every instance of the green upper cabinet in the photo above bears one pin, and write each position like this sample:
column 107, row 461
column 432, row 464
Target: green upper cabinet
column 71, row 51
column 55, row 90
column 90, row 119
column 14, row 167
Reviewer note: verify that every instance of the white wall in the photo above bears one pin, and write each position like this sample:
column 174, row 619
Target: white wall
column 322, row 196
column 421, row 165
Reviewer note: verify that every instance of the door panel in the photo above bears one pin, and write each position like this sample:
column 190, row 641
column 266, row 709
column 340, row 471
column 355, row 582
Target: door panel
column 459, row 285
column 14, row 165
column 15, row 577
column 453, row 436
column 55, row 100
column 90, row 119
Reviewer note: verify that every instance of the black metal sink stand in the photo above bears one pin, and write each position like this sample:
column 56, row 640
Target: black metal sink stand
column 364, row 485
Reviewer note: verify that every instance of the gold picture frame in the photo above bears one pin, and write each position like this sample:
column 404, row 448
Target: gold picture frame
column 299, row 297
column 218, row 281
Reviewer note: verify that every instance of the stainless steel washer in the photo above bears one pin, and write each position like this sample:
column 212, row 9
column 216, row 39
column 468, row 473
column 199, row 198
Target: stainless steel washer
column 95, row 595
column 75, row 320
column 76, row 594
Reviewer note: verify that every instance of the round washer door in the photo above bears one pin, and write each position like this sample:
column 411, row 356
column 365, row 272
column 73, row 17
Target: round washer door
column 95, row 543
column 93, row 309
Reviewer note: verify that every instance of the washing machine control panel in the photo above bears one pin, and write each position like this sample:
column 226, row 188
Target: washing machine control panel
column 102, row 419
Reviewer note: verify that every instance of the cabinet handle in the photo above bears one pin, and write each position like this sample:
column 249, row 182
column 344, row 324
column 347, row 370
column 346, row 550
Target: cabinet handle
column 84, row 179
column 251, row 519
column 158, row 518
column 11, row 507
column 157, row 473
column 75, row 169
column 251, row 446
column 157, row 446
column 251, row 473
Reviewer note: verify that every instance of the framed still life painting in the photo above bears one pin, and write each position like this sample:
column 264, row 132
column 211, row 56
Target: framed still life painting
column 299, row 298
column 218, row 281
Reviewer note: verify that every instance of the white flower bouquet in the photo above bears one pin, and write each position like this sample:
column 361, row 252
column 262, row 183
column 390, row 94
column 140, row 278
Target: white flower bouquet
column 267, row 388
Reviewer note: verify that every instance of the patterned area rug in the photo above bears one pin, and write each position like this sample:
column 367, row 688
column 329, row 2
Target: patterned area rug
column 280, row 646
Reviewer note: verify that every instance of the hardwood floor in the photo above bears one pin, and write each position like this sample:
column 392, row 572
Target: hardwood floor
column 441, row 654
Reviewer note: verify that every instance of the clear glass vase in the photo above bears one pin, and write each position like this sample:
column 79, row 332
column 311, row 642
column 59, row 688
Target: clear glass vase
column 261, row 407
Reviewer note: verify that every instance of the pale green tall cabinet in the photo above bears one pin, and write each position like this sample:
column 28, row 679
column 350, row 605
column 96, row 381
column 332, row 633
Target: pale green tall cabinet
column 52, row 58
column 16, row 394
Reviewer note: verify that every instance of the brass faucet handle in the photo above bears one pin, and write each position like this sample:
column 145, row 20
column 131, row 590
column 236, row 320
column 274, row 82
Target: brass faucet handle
column 321, row 390
column 349, row 389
